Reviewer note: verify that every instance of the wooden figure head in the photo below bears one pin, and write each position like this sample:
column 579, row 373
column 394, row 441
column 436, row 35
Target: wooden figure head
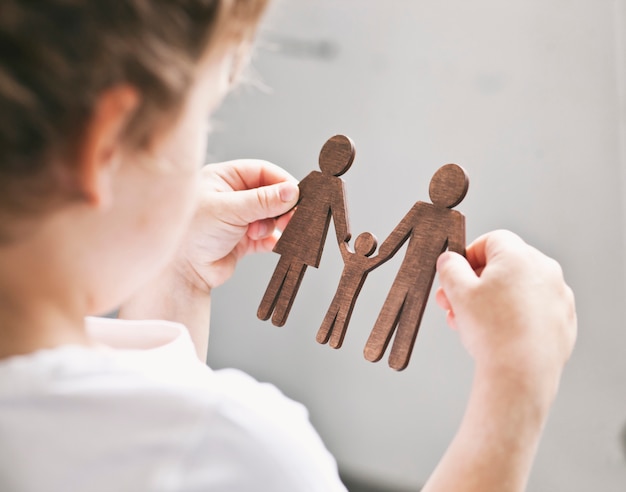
column 365, row 244
column 448, row 186
column 337, row 155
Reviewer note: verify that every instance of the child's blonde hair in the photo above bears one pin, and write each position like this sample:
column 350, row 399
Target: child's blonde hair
column 58, row 56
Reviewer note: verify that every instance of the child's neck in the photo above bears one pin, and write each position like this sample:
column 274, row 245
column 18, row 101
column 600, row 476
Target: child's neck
column 39, row 306
column 43, row 328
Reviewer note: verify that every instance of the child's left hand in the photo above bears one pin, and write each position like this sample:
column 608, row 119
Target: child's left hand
column 241, row 205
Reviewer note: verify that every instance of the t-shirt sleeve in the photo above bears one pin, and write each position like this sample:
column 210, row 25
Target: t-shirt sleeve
column 257, row 439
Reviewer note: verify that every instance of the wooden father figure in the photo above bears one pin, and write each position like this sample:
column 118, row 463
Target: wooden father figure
column 430, row 230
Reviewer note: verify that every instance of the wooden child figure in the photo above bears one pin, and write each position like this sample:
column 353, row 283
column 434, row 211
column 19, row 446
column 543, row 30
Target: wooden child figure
column 322, row 197
column 357, row 265
column 430, row 229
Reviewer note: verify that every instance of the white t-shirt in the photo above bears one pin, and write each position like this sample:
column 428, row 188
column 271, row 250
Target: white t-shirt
column 143, row 414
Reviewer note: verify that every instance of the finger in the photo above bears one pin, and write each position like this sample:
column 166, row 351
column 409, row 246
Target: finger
column 442, row 300
column 248, row 206
column 490, row 245
column 444, row 303
column 283, row 220
column 261, row 229
column 451, row 320
column 245, row 174
column 456, row 277
column 262, row 245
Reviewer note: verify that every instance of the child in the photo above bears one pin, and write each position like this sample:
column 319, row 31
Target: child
column 103, row 109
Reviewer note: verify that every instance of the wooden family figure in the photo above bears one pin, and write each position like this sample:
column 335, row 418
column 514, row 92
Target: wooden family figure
column 429, row 228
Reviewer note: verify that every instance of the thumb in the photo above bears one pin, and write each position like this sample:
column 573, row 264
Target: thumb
column 263, row 202
column 456, row 276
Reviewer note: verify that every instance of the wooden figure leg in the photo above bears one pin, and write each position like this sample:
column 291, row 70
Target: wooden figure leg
column 408, row 327
column 288, row 293
column 323, row 334
column 340, row 327
column 383, row 328
column 335, row 324
column 273, row 289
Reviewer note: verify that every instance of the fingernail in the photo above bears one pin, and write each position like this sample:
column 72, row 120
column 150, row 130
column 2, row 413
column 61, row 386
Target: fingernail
column 288, row 191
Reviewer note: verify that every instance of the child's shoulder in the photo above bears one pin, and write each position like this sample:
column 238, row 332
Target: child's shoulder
column 162, row 409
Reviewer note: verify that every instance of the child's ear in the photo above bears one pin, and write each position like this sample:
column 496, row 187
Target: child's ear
column 102, row 143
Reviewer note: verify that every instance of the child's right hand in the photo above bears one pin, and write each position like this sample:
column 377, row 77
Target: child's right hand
column 513, row 310
column 241, row 204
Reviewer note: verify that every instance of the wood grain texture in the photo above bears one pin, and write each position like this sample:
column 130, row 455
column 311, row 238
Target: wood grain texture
column 322, row 198
column 357, row 264
column 430, row 229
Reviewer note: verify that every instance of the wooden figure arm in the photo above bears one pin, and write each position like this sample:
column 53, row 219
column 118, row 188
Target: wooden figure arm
column 456, row 237
column 374, row 262
column 345, row 250
column 339, row 211
column 398, row 236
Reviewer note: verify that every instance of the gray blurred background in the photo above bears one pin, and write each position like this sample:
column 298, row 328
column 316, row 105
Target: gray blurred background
column 528, row 96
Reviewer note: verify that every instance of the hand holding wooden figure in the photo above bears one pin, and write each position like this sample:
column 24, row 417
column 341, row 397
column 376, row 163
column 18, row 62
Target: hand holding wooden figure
column 429, row 228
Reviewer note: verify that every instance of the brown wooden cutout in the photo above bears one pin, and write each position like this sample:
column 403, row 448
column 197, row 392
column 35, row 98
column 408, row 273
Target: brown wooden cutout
column 322, row 197
column 430, row 230
column 357, row 265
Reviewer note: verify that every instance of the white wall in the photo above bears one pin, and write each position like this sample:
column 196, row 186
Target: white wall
column 524, row 94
